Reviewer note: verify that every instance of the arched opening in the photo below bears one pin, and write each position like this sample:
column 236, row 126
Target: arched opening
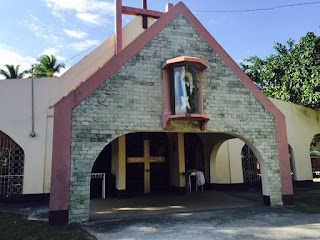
column 136, row 148
column 250, row 167
column 11, row 167
column 102, row 183
column 236, row 164
column 148, row 172
column 315, row 157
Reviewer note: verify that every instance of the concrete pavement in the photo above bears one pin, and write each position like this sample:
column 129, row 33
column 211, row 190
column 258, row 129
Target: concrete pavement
column 207, row 215
column 242, row 223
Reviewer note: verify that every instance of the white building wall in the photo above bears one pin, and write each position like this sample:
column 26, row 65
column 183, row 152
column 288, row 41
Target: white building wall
column 228, row 162
column 302, row 124
column 15, row 108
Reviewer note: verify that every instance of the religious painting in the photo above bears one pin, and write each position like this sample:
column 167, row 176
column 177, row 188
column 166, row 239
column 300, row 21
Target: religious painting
column 186, row 89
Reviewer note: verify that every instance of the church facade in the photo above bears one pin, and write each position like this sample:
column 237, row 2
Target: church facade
column 136, row 91
column 152, row 103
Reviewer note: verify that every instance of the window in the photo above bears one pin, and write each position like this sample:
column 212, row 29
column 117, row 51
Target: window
column 182, row 84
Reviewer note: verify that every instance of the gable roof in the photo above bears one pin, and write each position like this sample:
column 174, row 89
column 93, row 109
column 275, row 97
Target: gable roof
column 63, row 109
column 92, row 83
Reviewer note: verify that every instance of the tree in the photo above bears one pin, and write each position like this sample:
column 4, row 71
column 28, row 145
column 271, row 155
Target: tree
column 47, row 66
column 292, row 74
column 12, row 72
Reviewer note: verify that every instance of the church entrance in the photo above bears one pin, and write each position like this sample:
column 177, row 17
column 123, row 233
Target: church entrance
column 145, row 166
column 152, row 172
column 147, row 163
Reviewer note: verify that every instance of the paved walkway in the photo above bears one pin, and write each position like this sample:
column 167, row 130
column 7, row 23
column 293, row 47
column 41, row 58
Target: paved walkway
column 243, row 223
column 166, row 203
column 207, row 215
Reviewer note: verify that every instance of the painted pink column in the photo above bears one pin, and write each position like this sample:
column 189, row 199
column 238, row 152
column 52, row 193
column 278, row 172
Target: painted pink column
column 284, row 161
column 118, row 25
column 60, row 177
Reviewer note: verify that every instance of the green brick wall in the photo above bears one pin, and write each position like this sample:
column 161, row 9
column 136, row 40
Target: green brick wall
column 132, row 100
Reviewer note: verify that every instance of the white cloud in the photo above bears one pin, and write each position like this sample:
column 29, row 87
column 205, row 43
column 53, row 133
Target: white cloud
column 80, row 46
column 34, row 24
column 11, row 57
column 75, row 33
column 49, row 51
column 52, row 51
column 91, row 18
column 90, row 11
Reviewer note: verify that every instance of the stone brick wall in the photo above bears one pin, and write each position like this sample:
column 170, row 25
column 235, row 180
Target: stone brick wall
column 132, row 100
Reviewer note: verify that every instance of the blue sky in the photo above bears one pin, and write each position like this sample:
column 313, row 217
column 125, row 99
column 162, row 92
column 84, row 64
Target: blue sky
column 66, row 28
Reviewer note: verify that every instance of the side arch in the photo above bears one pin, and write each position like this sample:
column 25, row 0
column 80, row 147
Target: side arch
column 264, row 171
column 11, row 166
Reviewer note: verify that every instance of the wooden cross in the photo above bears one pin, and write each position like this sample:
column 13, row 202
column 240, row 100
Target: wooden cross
column 144, row 17
column 146, row 159
column 144, row 12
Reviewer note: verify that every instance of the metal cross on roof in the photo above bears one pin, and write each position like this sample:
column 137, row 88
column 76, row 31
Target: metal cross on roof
column 144, row 12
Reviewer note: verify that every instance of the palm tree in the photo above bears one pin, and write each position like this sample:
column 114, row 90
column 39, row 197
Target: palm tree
column 13, row 72
column 47, row 66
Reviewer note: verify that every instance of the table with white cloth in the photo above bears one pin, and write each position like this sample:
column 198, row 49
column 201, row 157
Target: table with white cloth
column 200, row 180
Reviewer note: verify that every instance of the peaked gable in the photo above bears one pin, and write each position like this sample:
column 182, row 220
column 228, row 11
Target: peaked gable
column 63, row 110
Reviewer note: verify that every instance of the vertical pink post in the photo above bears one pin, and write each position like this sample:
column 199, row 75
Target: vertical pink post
column 118, row 25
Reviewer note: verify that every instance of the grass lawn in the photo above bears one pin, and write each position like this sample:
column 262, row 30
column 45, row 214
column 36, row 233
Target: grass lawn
column 16, row 226
column 307, row 201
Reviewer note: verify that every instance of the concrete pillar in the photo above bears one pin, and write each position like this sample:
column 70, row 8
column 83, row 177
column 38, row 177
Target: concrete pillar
column 223, row 164
column 181, row 158
column 114, row 155
column 235, row 148
column 302, row 163
column 119, row 161
column 48, row 154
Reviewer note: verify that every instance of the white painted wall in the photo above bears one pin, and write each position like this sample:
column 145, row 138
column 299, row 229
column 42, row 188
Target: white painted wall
column 15, row 121
column 15, row 108
column 228, row 162
column 302, row 124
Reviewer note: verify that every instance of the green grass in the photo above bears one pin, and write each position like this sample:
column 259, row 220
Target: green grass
column 16, row 226
column 307, row 201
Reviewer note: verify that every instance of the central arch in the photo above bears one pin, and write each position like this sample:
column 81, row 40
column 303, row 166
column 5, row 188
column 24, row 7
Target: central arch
column 200, row 152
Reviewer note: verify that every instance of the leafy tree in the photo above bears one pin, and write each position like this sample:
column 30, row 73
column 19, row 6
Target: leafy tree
column 315, row 140
column 47, row 66
column 12, row 72
column 292, row 74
